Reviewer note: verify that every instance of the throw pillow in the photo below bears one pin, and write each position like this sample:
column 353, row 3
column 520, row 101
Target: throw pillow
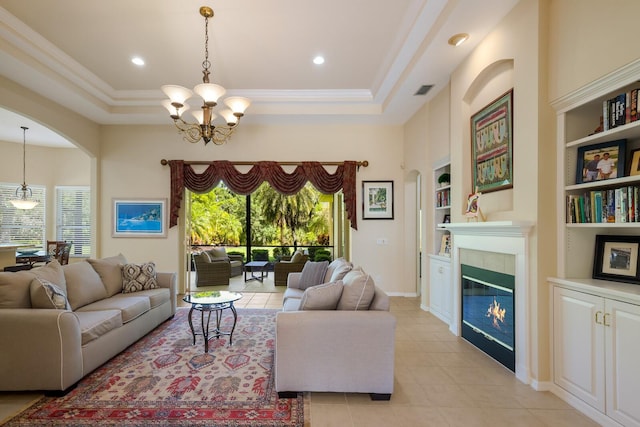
column 312, row 274
column 84, row 285
column 337, row 270
column 53, row 273
column 45, row 294
column 218, row 254
column 358, row 291
column 110, row 271
column 139, row 277
column 322, row 297
column 297, row 257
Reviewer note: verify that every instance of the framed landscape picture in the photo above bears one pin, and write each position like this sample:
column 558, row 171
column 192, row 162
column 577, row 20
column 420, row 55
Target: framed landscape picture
column 139, row 217
column 492, row 145
column 377, row 199
column 601, row 161
column 616, row 258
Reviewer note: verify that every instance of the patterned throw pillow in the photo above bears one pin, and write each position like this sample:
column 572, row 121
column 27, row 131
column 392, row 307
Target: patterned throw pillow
column 45, row 294
column 139, row 277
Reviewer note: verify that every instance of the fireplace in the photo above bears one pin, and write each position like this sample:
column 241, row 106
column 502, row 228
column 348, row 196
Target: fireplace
column 488, row 315
column 497, row 246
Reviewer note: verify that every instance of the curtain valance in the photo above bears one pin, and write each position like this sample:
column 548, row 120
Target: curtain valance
column 183, row 176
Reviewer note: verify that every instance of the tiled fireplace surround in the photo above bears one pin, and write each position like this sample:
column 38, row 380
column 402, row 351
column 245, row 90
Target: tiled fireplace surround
column 500, row 246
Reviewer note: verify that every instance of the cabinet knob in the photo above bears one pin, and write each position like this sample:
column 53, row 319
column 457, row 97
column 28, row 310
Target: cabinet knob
column 599, row 322
column 440, row 270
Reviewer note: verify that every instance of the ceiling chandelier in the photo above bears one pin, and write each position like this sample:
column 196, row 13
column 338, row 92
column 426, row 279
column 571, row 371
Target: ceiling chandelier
column 24, row 195
column 204, row 128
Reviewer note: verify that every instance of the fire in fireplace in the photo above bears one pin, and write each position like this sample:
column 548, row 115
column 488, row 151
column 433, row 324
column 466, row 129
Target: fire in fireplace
column 488, row 318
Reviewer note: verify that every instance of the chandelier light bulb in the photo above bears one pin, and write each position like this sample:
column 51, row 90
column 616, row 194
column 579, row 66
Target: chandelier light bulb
column 229, row 117
column 210, row 93
column 177, row 94
column 237, row 104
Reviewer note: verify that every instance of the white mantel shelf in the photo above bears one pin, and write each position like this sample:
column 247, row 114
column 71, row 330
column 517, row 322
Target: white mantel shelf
column 490, row 228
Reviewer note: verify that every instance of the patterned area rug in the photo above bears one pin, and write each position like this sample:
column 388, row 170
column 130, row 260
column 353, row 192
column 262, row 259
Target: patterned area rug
column 165, row 380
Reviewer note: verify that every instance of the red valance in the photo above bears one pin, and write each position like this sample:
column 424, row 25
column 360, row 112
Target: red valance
column 183, row 176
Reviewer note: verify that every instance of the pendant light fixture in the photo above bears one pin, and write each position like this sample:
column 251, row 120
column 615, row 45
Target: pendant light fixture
column 204, row 130
column 24, row 195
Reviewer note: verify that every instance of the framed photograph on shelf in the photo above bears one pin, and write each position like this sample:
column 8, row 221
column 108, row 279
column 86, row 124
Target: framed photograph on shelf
column 139, row 217
column 616, row 258
column 447, row 219
column 377, row 199
column 445, row 245
column 634, row 166
column 492, row 145
column 601, row 161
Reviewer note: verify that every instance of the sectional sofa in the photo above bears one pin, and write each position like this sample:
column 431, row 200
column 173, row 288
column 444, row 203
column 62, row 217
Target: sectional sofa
column 59, row 323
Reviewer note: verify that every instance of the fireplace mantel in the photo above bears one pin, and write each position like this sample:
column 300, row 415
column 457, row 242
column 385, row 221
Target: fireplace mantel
column 490, row 228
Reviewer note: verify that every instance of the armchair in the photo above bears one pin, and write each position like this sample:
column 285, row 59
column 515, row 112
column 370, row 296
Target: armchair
column 211, row 273
column 282, row 268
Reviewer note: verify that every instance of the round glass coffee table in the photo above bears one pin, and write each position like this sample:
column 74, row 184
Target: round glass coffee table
column 208, row 302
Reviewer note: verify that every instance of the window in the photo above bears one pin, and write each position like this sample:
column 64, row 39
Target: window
column 73, row 219
column 22, row 226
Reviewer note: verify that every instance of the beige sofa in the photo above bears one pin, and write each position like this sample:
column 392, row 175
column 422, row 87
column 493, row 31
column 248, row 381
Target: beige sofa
column 51, row 349
column 335, row 337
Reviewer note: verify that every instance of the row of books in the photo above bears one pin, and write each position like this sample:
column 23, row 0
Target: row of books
column 620, row 110
column 618, row 205
column 442, row 198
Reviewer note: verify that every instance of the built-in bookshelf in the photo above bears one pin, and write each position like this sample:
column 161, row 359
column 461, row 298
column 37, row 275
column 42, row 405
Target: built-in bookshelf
column 600, row 118
column 442, row 205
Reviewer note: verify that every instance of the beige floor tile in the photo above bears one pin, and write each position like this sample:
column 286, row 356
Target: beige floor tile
column 469, row 417
column 328, row 398
column 447, row 396
column 563, row 418
column 513, row 418
column 326, row 415
column 541, row 400
column 416, row 416
column 372, row 415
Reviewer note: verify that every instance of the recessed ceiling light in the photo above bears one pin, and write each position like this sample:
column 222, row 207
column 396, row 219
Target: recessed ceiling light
column 138, row 61
column 458, row 39
column 318, row 60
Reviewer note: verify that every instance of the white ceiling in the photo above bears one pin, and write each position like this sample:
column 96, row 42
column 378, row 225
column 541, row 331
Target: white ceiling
column 378, row 53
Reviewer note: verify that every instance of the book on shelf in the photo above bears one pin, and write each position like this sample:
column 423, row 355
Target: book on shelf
column 620, row 110
column 620, row 205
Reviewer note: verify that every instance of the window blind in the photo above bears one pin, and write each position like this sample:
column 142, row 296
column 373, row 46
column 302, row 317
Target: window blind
column 22, row 226
column 73, row 219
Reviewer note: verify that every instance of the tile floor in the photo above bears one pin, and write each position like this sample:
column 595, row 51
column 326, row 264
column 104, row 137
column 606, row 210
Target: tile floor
column 440, row 381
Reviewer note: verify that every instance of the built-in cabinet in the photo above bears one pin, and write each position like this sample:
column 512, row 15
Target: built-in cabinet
column 596, row 323
column 440, row 292
column 596, row 343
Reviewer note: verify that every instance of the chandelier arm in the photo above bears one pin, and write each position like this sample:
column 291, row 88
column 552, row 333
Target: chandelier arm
column 191, row 132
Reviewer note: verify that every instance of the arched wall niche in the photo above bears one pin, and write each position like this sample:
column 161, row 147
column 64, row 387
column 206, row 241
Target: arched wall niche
column 491, row 83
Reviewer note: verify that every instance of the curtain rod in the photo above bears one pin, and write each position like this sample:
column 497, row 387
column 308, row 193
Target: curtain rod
column 364, row 163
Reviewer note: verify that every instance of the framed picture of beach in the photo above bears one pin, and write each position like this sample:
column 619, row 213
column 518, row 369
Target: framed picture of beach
column 139, row 217
column 377, row 199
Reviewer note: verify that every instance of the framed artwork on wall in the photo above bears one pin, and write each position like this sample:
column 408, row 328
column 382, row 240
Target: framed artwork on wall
column 616, row 258
column 377, row 199
column 139, row 217
column 492, row 145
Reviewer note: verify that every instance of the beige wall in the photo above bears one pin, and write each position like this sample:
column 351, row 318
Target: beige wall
column 130, row 165
column 589, row 39
column 45, row 166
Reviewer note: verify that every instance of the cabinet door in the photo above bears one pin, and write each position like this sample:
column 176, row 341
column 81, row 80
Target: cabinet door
column 623, row 362
column 578, row 343
column 440, row 289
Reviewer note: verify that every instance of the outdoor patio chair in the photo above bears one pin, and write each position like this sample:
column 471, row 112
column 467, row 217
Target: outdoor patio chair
column 285, row 266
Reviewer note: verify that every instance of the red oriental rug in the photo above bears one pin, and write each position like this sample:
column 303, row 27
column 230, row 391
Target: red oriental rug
column 165, row 380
